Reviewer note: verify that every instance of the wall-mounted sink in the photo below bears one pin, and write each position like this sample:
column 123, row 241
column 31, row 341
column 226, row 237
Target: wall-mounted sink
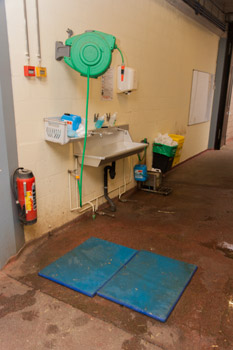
column 106, row 145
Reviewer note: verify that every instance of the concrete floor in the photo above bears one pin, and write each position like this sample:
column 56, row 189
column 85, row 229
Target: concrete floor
column 190, row 224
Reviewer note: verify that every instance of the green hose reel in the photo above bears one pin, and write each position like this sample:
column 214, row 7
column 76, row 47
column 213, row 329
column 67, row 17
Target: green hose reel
column 90, row 54
column 91, row 50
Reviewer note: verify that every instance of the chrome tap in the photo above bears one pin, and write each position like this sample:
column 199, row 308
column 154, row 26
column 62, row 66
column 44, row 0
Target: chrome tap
column 96, row 133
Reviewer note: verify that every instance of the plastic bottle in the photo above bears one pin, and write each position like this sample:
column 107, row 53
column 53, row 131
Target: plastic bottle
column 81, row 131
column 140, row 172
column 70, row 131
column 100, row 122
column 112, row 120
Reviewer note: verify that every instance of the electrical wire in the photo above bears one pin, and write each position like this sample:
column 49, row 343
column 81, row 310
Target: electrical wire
column 80, row 181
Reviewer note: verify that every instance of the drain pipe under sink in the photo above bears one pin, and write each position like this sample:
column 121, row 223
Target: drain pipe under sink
column 112, row 174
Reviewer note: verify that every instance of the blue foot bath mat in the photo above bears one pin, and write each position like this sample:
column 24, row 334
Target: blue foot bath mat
column 89, row 266
column 151, row 284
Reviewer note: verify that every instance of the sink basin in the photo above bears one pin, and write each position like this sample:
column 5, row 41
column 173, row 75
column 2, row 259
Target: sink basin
column 107, row 145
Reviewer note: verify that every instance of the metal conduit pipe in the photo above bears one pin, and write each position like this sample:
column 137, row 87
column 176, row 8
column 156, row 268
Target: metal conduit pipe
column 27, row 53
column 38, row 31
column 112, row 174
column 205, row 12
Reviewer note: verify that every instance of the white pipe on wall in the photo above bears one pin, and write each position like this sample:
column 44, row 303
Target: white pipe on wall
column 27, row 53
column 38, row 32
column 130, row 178
column 89, row 203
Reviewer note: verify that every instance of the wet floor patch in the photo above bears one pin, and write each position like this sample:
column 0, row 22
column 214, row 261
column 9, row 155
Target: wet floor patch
column 16, row 302
column 209, row 218
column 52, row 329
column 81, row 321
column 210, row 244
column 30, row 315
column 133, row 343
column 225, row 247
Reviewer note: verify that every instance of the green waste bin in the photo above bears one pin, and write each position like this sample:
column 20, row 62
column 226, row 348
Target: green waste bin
column 163, row 156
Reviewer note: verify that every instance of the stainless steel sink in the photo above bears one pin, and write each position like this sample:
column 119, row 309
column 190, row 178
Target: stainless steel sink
column 106, row 145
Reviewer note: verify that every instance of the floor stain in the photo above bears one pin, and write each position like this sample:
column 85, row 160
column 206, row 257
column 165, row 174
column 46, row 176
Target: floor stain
column 209, row 218
column 30, row 315
column 52, row 329
column 81, row 321
column 133, row 343
column 227, row 253
column 210, row 244
column 226, row 249
column 54, row 307
column 16, row 302
column 50, row 344
column 217, row 246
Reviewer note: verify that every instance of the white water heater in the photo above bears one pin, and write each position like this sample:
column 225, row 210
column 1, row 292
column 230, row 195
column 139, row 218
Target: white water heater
column 126, row 82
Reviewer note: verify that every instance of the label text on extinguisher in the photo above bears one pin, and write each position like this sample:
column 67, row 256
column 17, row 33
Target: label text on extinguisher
column 29, row 201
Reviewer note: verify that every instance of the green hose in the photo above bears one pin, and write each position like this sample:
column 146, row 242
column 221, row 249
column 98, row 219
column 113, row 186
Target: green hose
column 122, row 58
column 80, row 181
column 144, row 154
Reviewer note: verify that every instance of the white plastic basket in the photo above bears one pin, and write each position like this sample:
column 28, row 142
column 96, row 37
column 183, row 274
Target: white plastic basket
column 56, row 130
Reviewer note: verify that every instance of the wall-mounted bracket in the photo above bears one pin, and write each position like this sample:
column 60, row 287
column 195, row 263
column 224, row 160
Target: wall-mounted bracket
column 96, row 117
column 61, row 50
column 70, row 32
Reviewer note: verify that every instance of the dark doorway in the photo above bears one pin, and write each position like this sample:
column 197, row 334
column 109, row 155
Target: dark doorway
column 220, row 137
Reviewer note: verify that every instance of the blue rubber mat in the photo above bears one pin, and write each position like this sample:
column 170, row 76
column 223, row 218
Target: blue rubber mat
column 89, row 266
column 150, row 283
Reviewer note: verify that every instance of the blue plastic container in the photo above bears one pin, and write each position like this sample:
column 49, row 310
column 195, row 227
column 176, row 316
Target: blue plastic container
column 75, row 119
column 99, row 124
column 140, row 172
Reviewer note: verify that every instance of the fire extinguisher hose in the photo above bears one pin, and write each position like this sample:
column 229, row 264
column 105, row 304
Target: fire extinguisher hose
column 14, row 186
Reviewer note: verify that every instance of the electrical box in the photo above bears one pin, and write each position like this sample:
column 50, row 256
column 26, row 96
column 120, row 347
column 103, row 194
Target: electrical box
column 29, row 71
column 41, row 72
column 127, row 82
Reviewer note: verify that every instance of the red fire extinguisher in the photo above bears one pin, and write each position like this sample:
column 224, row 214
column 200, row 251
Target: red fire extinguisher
column 24, row 189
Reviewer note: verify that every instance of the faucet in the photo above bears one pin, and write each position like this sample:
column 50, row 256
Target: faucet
column 124, row 130
column 96, row 133
column 101, row 133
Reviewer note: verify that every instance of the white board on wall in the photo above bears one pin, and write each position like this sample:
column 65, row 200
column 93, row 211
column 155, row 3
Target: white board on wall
column 201, row 97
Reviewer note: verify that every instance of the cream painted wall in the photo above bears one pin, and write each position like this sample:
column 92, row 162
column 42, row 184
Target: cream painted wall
column 157, row 40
